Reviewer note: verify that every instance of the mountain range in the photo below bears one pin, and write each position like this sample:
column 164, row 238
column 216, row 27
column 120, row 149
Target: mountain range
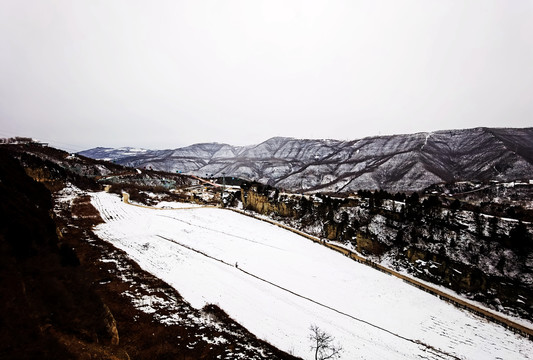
column 409, row 162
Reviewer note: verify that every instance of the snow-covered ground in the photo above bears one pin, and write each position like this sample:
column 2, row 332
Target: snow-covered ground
column 175, row 205
column 277, row 284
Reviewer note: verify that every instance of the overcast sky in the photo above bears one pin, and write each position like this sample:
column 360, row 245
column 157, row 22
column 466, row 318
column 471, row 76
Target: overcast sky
column 169, row 73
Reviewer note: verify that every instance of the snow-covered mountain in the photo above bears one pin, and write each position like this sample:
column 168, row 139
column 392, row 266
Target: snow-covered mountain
column 394, row 163
column 110, row 154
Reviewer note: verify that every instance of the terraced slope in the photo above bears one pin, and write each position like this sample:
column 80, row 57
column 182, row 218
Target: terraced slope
column 277, row 284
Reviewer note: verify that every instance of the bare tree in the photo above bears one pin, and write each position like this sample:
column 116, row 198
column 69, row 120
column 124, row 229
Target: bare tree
column 323, row 345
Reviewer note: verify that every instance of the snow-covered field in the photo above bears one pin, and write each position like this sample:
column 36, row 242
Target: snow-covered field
column 277, row 284
column 175, row 205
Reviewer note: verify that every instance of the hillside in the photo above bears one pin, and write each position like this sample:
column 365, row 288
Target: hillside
column 162, row 282
column 278, row 284
column 66, row 294
column 394, row 163
column 483, row 250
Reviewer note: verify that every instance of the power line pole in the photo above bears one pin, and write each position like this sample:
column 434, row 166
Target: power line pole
column 223, row 189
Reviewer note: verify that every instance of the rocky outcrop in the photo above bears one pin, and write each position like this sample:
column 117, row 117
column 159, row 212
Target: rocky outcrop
column 110, row 326
column 266, row 204
column 368, row 245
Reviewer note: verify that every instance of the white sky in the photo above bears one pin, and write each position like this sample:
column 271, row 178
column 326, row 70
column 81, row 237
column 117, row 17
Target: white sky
column 169, row 73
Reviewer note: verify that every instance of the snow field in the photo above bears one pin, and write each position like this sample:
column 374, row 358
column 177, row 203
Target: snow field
column 183, row 247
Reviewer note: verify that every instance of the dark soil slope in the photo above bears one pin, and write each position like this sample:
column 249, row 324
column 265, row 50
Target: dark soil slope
column 47, row 301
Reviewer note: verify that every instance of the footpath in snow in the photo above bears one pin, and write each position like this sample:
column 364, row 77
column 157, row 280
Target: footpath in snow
column 277, row 284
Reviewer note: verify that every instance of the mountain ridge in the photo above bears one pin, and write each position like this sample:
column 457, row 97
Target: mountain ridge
column 409, row 162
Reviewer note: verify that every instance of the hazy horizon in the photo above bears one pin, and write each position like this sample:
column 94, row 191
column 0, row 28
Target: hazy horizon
column 300, row 138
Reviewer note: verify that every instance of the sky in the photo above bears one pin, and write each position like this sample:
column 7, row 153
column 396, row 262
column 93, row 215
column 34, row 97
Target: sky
column 168, row 73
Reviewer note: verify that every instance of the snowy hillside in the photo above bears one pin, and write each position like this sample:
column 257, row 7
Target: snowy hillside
column 110, row 154
column 394, row 163
column 277, row 284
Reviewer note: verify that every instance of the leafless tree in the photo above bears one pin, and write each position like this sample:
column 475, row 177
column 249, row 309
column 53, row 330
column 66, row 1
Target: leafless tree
column 322, row 344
